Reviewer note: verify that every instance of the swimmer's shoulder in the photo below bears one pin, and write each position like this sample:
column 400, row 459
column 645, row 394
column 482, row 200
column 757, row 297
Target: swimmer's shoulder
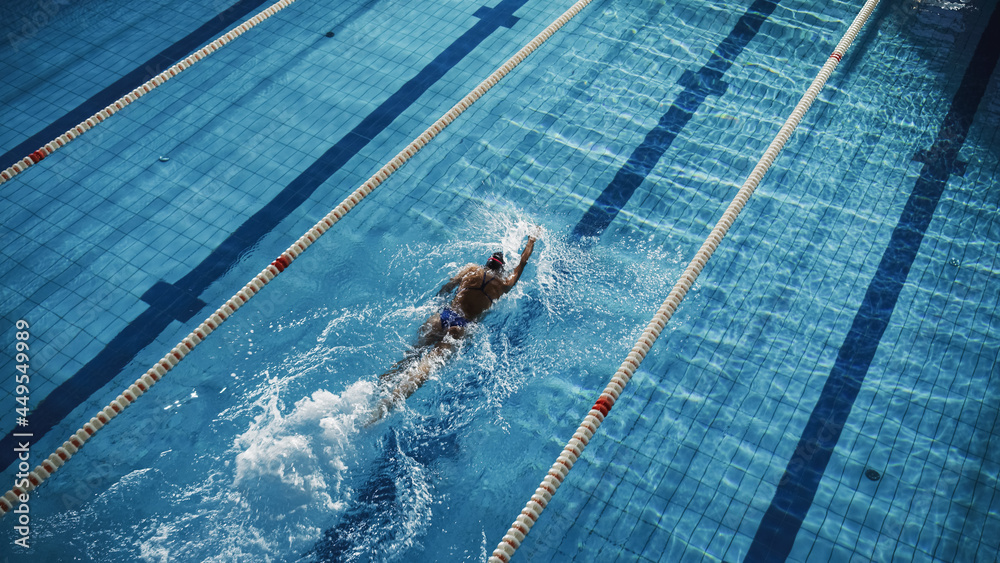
column 465, row 272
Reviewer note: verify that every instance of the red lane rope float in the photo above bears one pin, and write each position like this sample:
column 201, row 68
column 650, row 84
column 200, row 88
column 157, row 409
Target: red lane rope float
column 160, row 368
column 574, row 448
column 148, row 86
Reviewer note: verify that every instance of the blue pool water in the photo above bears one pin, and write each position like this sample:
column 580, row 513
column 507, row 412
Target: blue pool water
column 846, row 327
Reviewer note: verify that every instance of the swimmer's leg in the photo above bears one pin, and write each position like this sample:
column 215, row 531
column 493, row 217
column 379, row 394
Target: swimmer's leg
column 429, row 334
column 408, row 359
column 417, row 374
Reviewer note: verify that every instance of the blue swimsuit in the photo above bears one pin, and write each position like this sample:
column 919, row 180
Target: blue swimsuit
column 450, row 318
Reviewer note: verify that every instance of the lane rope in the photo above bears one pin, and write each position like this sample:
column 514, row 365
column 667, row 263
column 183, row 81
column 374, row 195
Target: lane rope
column 574, row 448
column 151, row 84
column 188, row 343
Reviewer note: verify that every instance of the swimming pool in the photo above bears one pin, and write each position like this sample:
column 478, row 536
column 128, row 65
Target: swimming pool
column 251, row 449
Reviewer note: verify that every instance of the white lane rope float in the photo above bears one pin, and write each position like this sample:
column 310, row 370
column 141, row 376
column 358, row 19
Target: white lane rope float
column 574, row 448
column 159, row 369
column 147, row 87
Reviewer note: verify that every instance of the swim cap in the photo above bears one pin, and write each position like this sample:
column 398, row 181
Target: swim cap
column 496, row 261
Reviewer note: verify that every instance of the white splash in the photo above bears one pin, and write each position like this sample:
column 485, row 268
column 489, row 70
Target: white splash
column 299, row 460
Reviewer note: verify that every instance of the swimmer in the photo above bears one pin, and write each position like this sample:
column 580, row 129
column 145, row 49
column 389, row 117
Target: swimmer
column 478, row 287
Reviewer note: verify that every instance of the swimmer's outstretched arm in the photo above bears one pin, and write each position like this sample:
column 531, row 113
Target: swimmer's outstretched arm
column 525, row 254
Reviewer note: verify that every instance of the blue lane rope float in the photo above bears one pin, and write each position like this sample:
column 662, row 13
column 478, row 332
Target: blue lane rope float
column 574, row 448
column 147, row 380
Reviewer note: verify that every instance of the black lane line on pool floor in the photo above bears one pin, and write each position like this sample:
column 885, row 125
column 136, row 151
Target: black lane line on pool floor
column 797, row 488
column 179, row 301
column 575, row 93
column 140, row 75
column 698, row 86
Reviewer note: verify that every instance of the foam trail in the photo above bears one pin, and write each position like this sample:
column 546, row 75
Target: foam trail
column 300, row 460
column 392, row 507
